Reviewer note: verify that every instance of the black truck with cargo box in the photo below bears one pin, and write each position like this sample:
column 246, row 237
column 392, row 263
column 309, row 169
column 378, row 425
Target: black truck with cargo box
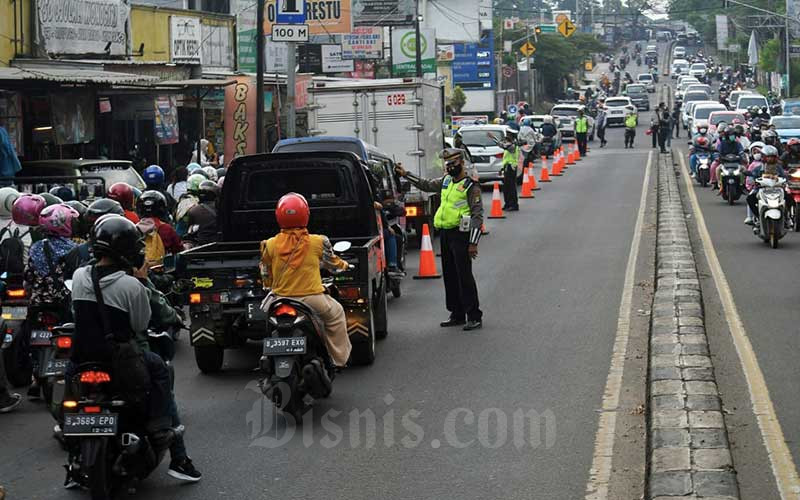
column 221, row 280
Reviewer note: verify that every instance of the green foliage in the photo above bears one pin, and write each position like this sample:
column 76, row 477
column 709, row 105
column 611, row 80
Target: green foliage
column 768, row 56
column 458, row 99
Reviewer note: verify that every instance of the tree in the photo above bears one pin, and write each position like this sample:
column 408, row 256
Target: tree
column 458, row 99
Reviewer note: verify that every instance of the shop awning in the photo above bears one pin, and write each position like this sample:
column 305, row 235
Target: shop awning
column 71, row 75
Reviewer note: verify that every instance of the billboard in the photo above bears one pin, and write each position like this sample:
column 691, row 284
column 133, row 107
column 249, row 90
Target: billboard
column 455, row 20
column 383, row 12
column 363, row 43
column 245, row 34
column 722, row 32
column 404, row 55
column 473, row 64
column 324, row 17
column 83, row 26
column 240, row 117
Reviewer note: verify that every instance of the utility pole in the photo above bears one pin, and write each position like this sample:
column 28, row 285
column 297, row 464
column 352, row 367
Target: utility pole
column 259, row 76
column 418, row 44
column 291, row 79
column 788, row 50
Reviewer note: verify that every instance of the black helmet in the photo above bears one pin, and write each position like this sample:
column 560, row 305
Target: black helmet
column 80, row 228
column 221, row 172
column 102, row 207
column 64, row 192
column 116, row 237
column 152, row 204
column 208, row 191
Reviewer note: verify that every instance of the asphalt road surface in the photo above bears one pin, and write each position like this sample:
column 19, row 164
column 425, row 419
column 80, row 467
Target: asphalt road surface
column 443, row 413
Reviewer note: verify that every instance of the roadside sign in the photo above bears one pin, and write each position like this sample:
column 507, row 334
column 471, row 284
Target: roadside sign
column 588, row 65
column 291, row 12
column 548, row 28
column 566, row 28
column 508, row 71
column 560, row 18
column 508, row 24
column 527, row 49
column 794, row 51
column 512, row 109
column 289, row 32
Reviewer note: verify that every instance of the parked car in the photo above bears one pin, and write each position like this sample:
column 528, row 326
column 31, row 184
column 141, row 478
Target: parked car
column 100, row 174
column 638, row 96
column 646, row 79
column 617, row 108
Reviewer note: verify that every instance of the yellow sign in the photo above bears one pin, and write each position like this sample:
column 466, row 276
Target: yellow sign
column 587, row 65
column 202, row 282
column 324, row 17
column 566, row 27
column 527, row 49
column 561, row 18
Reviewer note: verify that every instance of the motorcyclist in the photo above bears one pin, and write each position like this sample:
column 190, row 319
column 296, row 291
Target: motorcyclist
column 290, row 267
column 118, row 273
column 755, row 162
column 548, row 129
column 741, row 136
column 791, row 154
column 122, row 193
column 202, row 217
column 727, row 145
column 701, row 143
column 527, row 139
column 771, row 168
column 154, row 180
column 764, row 114
column 187, row 201
column 152, row 208
column 770, row 138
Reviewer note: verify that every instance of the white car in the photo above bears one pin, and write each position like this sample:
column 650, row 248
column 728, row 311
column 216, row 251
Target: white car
column 747, row 101
column 654, row 48
column 734, row 96
column 686, row 109
column 646, row 79
column 487, row 156
column 685, row 83
column 701, row 110
column 698, row 70
column 617, row 108
column 679, row 52
column 679, row 67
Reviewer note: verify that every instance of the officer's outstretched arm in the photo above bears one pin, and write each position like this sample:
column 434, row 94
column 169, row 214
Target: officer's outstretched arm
column 429, row 185
column 476, row 213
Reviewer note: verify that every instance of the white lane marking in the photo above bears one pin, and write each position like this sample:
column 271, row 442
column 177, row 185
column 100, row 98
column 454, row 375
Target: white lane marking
column 783, row 466
column 600, row 473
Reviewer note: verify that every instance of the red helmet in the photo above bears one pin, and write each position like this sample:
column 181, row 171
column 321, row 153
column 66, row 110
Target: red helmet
column 793, row 144
column 123, row 194
column 702, row 141
column 292, row 211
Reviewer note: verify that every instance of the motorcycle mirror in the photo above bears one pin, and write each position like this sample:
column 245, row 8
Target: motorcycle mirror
column 342, row 246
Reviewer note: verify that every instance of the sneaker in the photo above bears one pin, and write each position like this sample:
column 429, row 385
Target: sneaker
column 749, row 221
column 9, row 402
column 692, row 175
column 184, row 470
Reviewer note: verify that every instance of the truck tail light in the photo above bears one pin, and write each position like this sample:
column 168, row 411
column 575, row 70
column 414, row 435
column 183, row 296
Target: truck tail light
column 411, row 211
column 195, row 298
column 15, row 293
column 200, row 298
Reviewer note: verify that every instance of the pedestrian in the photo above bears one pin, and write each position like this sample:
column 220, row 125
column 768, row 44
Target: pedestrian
column 663, row 130
column 581, row 129
column 459, row 219
column 654, row 128
column 511, row 156
column 9, row 162
column 676, row 120
column 600, row 123
column 631, row 121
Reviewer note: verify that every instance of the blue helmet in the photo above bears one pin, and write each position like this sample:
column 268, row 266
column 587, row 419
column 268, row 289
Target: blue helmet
column 153, row 175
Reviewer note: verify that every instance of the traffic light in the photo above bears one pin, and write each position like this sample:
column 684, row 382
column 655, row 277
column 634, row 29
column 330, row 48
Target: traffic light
column 538, row 30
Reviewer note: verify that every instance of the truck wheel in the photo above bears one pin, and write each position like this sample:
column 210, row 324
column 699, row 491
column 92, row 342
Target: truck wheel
column 382, row 314
column 19, row 368
column 209, row 358
column 363, row 352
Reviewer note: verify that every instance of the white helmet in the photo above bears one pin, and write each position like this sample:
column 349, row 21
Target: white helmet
column 211, row 173
column 757, row 144
column 8, row 196
column 548, row 119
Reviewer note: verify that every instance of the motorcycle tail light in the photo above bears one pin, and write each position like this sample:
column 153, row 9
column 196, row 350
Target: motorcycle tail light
column 285, row 310
column 64, row 342
column 93, row 377
column 69, row 404
column 349, row 292
column 411, row 211
column 91, row 409
column 195, row 298
column 16, row 293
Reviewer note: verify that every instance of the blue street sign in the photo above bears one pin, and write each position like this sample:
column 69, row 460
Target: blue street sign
column 290, row 12
column 512, row 109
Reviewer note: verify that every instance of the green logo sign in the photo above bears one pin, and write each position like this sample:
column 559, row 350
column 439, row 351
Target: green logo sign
column 408, row 44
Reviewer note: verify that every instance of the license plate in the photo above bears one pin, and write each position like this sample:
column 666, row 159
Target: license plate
column 95, row 424
column 275, row 346
column 254, row 312
column 15, row 313
column 41, row 337
column 56, row 367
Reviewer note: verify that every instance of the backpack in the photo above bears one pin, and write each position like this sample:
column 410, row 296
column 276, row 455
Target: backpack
column 12, row 250
column 154, row 249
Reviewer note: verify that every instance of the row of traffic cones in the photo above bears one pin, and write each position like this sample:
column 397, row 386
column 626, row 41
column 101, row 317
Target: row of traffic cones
column 561, row 161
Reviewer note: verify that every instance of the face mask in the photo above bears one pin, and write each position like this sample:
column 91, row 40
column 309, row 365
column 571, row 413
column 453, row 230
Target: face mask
column 454, row 169
column 757, row 156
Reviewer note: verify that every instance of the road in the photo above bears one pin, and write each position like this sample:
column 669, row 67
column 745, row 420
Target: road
column 447, row 406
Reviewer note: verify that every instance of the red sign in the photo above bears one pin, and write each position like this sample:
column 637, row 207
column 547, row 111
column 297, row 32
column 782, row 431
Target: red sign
column 240, row 118
column 364, row 70
column 301, row 91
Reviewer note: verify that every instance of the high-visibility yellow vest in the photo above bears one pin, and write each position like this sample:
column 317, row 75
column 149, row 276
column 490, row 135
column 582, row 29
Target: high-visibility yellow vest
column 581, row 125
column 454, row 203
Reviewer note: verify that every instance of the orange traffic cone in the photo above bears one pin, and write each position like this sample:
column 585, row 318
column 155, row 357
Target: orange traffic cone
column 562, row 159
column 532, row 180
column 545, row 175
column 497, row 207
column 571, row 158
column 555, row 171
column 526, row 185
column 427, row 261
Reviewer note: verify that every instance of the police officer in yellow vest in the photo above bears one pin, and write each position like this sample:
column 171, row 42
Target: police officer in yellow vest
column 511, row 160
column 581, row 129
column 459, row 220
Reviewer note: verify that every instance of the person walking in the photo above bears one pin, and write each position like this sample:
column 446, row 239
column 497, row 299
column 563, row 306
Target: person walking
column 663, row 130
column 631, row 121
column 581, row 129
column 600, row 124
column 459, row 219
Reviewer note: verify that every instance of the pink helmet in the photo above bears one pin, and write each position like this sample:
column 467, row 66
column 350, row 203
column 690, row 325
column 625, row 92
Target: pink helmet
column 57, row 219
column 26, row 209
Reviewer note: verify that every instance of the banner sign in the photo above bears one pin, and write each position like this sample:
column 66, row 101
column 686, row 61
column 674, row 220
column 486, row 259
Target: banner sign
column 383, row 12
column 363, row 43
column 404, row 43
column 245, row 34
column 217, row 46
column 332, row 61
column 277, row 56
column 240, row 117
column 722, row 32
column 324, row 17
column 185, row 40
column 84, row 26
column 364, row 70
column 166, row 119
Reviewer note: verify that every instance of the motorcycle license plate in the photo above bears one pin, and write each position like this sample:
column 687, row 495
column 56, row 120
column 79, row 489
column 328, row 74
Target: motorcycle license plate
column 56, row 367
column 254, row 312
column 15, row 313
column 41, row 337
column 276, row 346
column 90, row 424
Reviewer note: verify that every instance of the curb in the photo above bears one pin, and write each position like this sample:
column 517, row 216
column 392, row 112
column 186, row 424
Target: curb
column 688, row 447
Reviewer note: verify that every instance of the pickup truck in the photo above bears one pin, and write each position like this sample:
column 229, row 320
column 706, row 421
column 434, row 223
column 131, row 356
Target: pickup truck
column 220, row 281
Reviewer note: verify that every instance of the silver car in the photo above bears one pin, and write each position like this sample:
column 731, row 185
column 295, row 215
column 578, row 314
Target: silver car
column 487, row 156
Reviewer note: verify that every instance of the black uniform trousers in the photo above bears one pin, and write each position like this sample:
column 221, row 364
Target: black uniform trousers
column 580, row 138
column 460, row 291
column 510, row 199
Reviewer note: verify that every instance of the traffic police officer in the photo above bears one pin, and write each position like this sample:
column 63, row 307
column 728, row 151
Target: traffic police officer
column 459, row 220
column 581, row 129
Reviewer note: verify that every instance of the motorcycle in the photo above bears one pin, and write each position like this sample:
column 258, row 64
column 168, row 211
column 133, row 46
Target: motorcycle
column 108, row 447
column 703, row 168
column 546, row 147
column 294, row 359
column 15, row 344
column 771, row 210
column 793, row 188
column 395, row 277
column 730, row 177
column 43, row 321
